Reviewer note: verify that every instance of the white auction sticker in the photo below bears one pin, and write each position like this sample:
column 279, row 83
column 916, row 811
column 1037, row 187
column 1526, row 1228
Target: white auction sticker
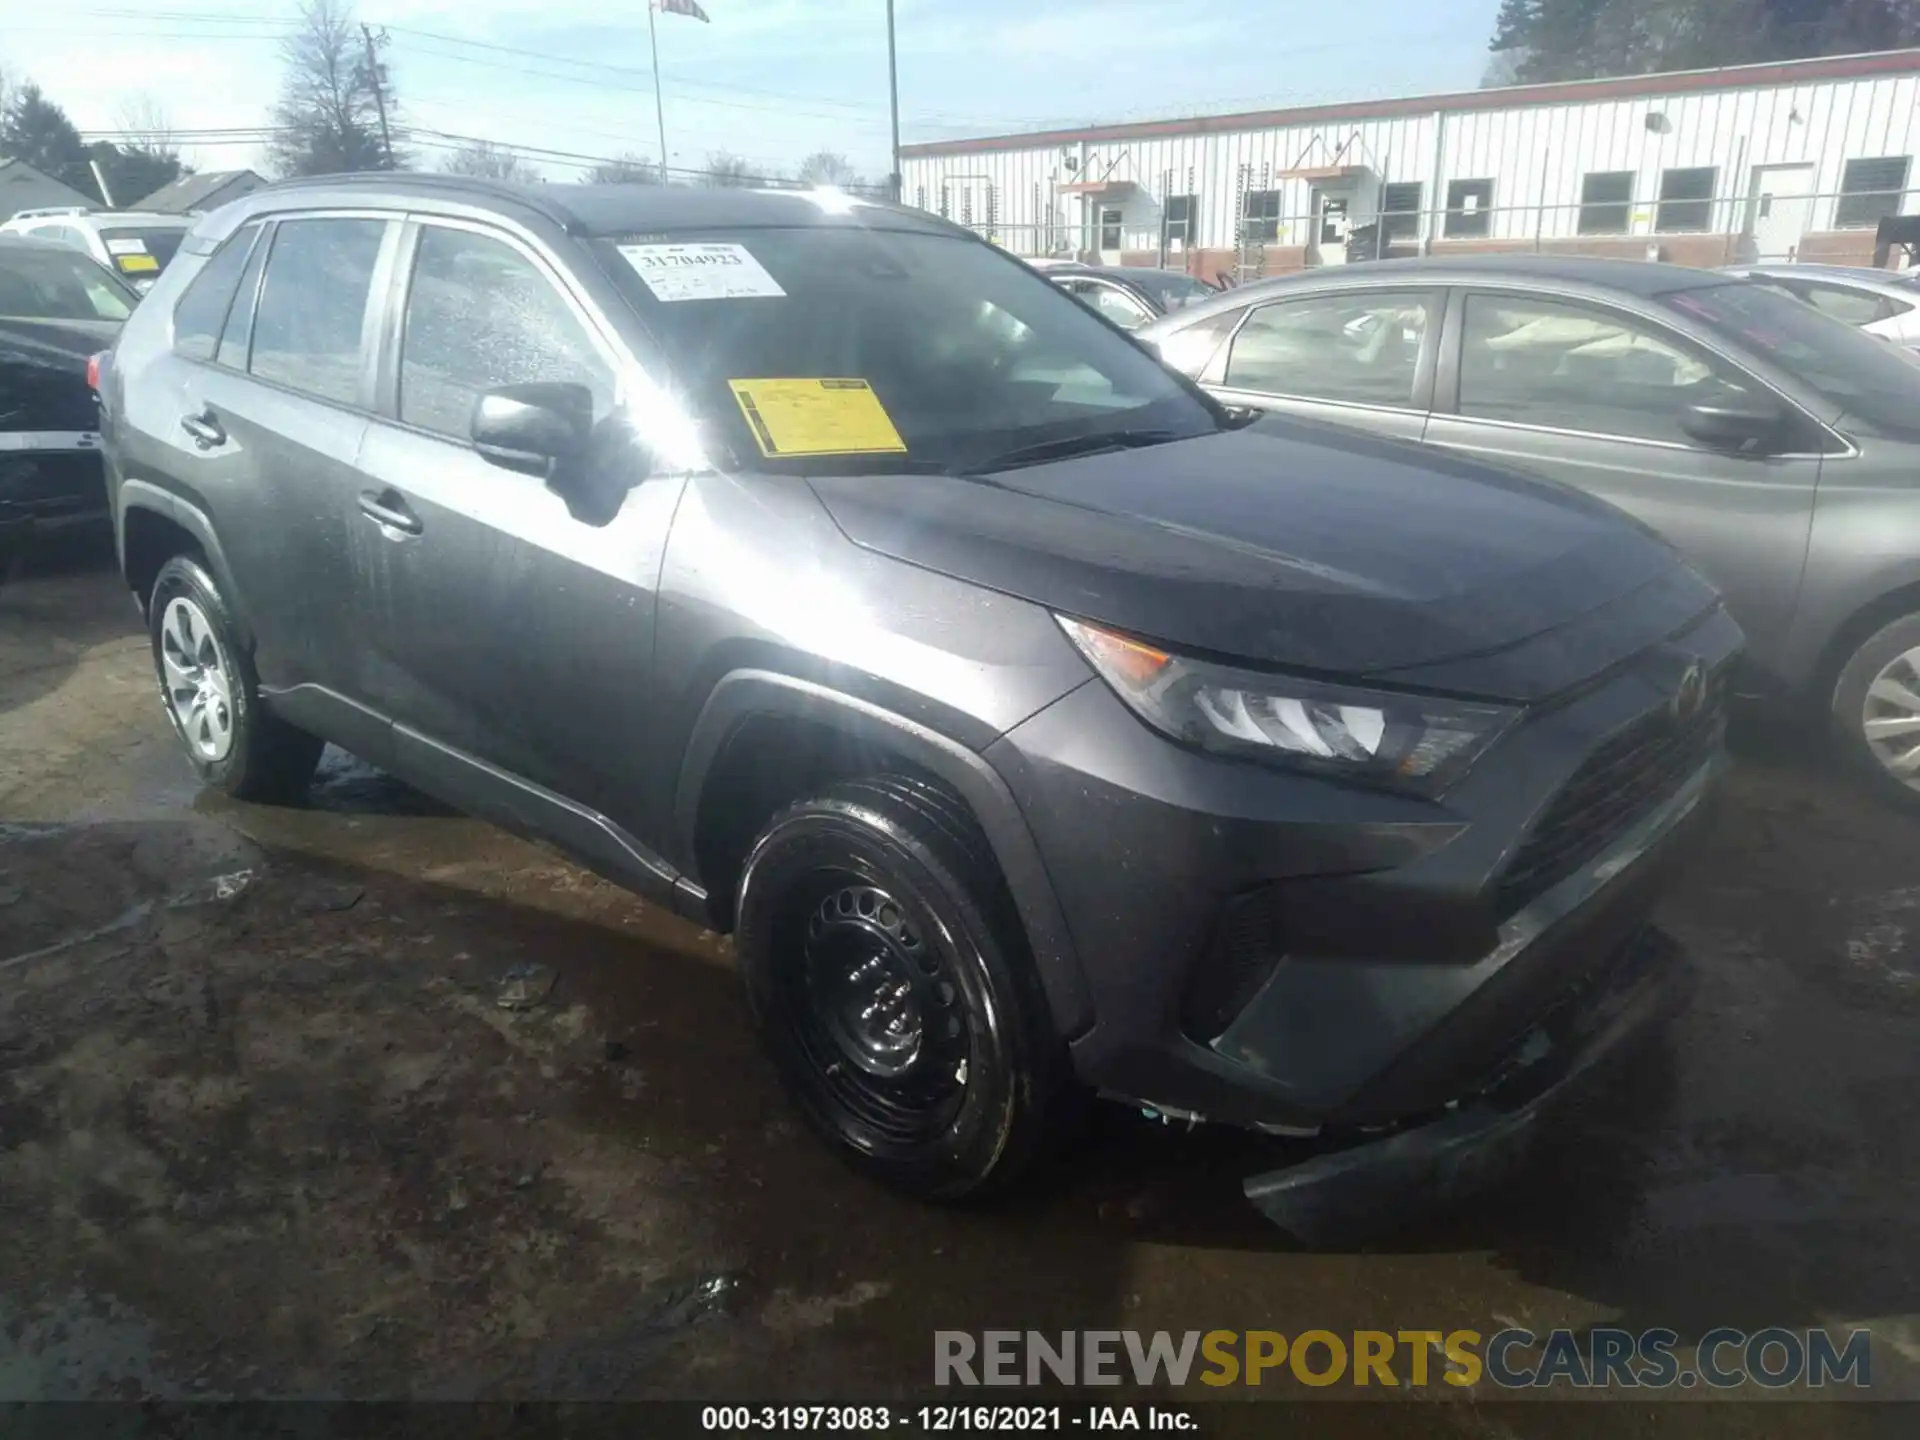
column 135, row 246
column 712, row 271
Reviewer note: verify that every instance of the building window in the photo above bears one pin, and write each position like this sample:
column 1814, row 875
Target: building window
column 1606, row 202
column 1400, row 209
column 1260, row 215
column 1686, row 199
column 1870, row 189
column 1109, row 227
column 1469, row 209
column 1179, row 218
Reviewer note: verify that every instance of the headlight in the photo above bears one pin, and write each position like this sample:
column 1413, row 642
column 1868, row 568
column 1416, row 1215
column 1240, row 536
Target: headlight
column 1410, row 742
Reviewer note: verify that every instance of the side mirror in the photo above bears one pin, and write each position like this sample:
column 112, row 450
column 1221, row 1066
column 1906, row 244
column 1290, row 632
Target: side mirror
column 538, row 429
column 1742, row 424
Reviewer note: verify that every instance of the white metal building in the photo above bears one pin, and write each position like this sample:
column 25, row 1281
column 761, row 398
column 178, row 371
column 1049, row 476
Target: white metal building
column 1798, row 159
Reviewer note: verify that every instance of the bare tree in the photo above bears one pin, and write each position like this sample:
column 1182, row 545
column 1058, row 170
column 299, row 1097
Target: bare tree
column 626, row 168
column 726, row 171
column 329, row 117
column 484, row 160
column 144, row 124
column 825, row 167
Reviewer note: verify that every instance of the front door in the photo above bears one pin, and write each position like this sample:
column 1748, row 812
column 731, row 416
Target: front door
column 1361, row 357
column 1332, row 224
column 501, row 619
column 1780, row 210
column 1594, row 396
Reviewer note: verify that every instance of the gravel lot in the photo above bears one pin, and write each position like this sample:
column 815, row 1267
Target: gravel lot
column 264, row 1129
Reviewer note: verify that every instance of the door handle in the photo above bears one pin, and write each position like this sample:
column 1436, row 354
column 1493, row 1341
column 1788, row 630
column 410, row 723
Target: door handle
column 385, row 507
column 205, row 428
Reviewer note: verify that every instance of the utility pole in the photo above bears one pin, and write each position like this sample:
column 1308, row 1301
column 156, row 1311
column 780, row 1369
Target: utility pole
column 659, row 104
column 893, row 90
column 379, row 93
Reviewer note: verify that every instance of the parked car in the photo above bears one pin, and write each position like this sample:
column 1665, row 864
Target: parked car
column 56, row 309
column 828, row 576
column 1129, row 295
column 134, row 245
column 1779, row 449
column 1881, row 302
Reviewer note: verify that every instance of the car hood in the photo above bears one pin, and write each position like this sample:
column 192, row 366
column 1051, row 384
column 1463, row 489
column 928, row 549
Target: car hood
column 1302, row 546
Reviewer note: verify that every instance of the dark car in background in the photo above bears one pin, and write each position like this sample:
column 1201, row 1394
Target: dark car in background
column 57, row 308
column 1130, row 295
column 1778, row 448
column 826, row 575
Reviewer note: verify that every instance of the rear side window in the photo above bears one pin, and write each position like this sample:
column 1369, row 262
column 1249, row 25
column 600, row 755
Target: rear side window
column 202, row 311
column 1850, row 306
column 480, row 315
column 312, row 310
column 239, row 328
column 1191, row 350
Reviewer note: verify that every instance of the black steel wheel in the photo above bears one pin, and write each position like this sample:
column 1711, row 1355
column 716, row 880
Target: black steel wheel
column 890, row 984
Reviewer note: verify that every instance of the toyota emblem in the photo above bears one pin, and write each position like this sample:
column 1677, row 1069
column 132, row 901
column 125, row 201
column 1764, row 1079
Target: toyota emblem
column 1691, row 695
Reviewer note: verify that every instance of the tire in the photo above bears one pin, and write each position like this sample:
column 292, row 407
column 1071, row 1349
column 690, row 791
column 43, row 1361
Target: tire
column 210, row 694
column 878, row 901
column 1870, row 716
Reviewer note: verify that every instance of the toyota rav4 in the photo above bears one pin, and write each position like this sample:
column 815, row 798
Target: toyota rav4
column 1035, row 725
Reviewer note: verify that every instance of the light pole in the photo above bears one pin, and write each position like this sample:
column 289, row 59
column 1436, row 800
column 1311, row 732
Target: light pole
column 893, row 92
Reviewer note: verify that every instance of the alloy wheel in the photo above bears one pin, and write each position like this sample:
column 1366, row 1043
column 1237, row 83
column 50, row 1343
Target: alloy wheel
column 1890, row 718
column 198, row 679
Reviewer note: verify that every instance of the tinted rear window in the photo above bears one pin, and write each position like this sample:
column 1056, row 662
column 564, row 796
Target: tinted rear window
column 52, row 284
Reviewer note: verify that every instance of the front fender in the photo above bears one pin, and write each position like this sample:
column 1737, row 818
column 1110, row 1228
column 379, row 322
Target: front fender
column 742, row 694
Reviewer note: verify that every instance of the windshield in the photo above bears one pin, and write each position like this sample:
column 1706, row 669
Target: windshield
column 940, row 353
column 53, row 284
column 142, row 251
column 1858, row 373
column 1171, row 288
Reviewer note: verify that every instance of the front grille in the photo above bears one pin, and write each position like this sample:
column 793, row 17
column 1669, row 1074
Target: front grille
column 1631, row 773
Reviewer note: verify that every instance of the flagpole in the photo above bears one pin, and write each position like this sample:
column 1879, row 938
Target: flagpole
column 893, row 90
column 659, row 105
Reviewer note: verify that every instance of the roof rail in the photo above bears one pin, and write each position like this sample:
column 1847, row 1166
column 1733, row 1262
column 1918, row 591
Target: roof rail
column 42, row 212
column 527, row 195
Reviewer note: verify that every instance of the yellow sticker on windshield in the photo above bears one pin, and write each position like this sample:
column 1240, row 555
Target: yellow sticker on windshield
column 132, row 263
column 816, row 417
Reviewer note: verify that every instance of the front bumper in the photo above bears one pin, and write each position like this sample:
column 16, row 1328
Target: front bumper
column 1389, row 966
column 1350, row 1194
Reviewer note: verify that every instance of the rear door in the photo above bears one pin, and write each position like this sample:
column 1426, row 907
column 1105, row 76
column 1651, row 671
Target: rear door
column 274, row 348
column 1362, row 357
column 499, row 619
column 1593, row 395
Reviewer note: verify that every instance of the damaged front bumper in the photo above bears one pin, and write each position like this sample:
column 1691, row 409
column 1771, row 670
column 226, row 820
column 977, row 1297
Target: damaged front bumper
column 1344, row 1195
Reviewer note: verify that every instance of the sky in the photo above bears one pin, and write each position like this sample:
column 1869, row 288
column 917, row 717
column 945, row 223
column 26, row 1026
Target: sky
column 770, row 81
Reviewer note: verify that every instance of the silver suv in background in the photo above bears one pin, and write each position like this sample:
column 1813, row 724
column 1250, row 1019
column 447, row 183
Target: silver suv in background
column 1778, row 448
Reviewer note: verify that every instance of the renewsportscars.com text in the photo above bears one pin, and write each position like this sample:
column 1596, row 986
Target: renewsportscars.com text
column 1599, row 1358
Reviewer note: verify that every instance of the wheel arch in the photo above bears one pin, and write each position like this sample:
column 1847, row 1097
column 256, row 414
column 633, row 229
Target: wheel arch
column 748, row 706
column 154, row 525
column 1853, row 631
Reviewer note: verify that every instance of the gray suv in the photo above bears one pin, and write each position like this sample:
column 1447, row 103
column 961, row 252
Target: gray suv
column 1035, row 726
column 1779, row 448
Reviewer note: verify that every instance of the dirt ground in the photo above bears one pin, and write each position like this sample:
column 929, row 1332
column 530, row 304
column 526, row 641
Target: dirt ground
column 265, row 1131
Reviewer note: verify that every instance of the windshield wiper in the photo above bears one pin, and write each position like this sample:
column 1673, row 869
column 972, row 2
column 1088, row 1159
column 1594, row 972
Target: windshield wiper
column 1045, row 450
